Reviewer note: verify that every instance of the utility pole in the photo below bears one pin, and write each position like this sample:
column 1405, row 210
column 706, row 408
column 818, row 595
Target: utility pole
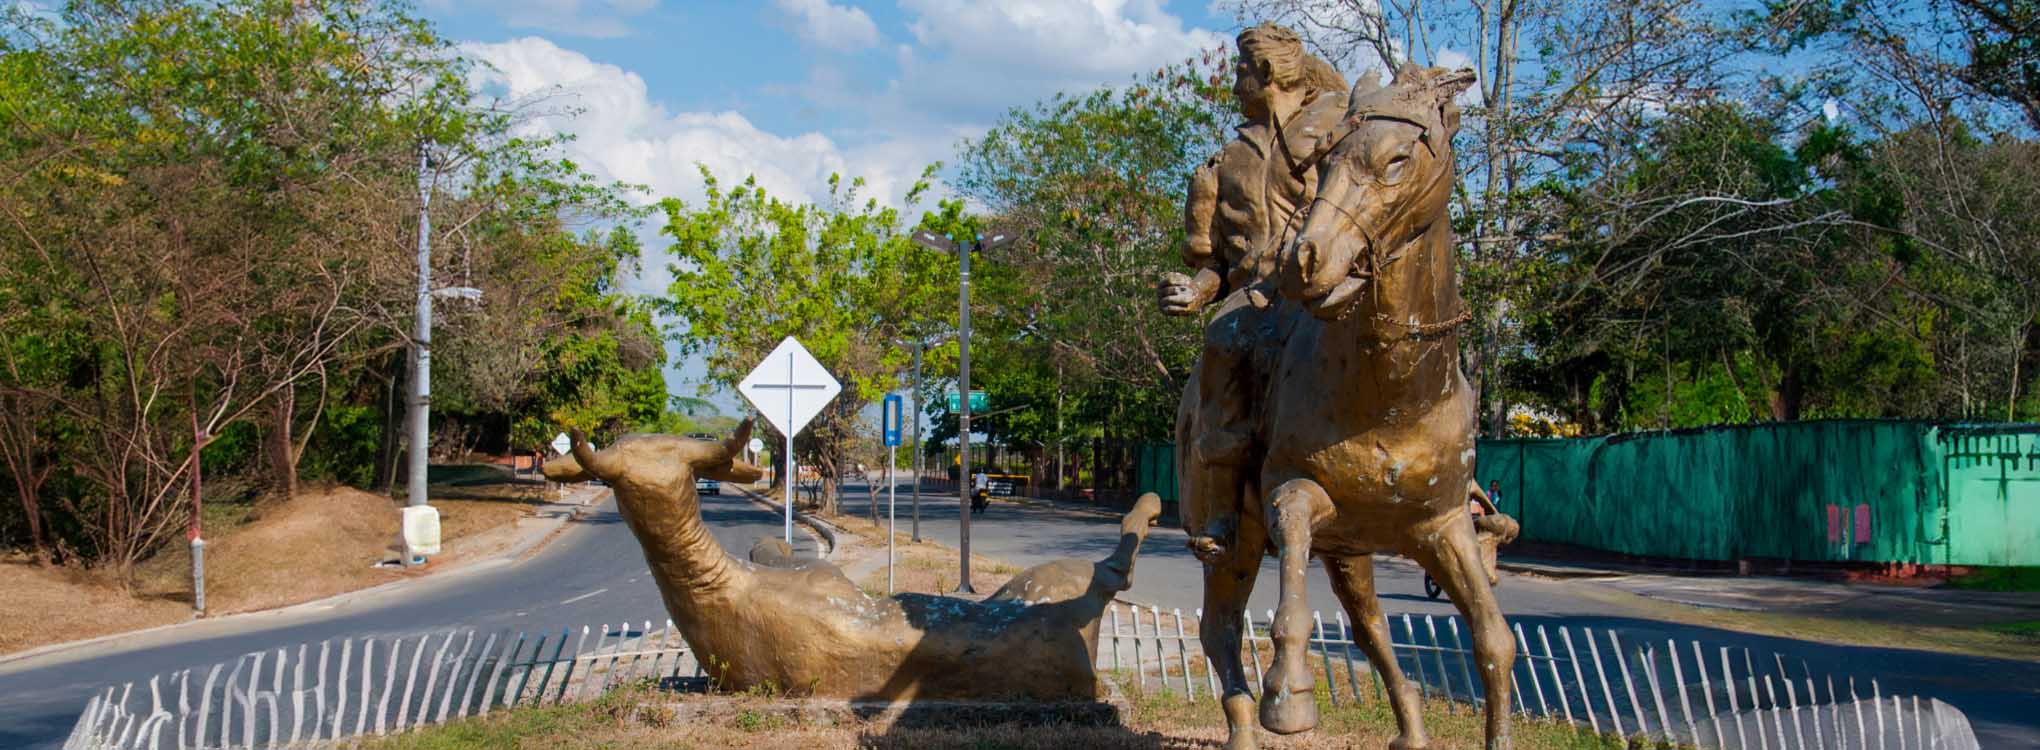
column 421, row 341
column 963, row 251
column 418, row 516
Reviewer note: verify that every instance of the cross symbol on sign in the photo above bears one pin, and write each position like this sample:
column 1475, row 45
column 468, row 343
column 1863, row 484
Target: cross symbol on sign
column 789, row 388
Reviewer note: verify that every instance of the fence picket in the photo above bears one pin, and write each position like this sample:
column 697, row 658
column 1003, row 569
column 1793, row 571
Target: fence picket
column 1614, row 712
column 1529, row 661
column 474, row 676
column 1557, row 683
column 1325, row 651
column 1628, row 682
column 1707, row 690
column 297, row 696
column 1657, row 696
column 496, row 680
column 1777, row 722
column 431, row 681
column 453, row 678
column 1112, row 611
column 1579, row 678
column 1346, row 650
column 367, row 669
column 1416, row 656
column 601, row 637
column 1183, row 655
column 1756, row 701
column 1877, row 708
column 1473, row 692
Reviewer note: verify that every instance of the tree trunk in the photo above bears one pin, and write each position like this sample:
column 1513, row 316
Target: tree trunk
column 282, row 448
column 392, row 427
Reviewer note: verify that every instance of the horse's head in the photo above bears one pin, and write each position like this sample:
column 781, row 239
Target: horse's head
column 1384, row 176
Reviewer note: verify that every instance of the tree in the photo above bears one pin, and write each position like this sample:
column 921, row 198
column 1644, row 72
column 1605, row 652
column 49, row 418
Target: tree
column 841, row 275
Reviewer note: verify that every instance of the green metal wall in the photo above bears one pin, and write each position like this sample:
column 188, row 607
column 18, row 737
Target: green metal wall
column 1825, row 491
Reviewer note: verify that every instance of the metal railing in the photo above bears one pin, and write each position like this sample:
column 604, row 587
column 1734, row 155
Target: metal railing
column 1708, row 697
column 324, row 692
column 1689, row 693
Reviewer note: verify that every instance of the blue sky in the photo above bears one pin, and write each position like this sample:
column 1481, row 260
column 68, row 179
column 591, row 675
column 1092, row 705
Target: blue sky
column 792, row 91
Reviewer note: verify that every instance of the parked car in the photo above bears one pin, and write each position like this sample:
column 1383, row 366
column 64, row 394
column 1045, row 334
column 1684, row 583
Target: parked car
column 707, row 486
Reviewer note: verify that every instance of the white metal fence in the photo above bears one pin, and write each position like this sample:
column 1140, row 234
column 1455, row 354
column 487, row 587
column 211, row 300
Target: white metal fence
column 1690, row 693
column 1710, row 697
column 373, row 686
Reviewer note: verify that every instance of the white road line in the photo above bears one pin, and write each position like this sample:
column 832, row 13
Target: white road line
column 584, row 596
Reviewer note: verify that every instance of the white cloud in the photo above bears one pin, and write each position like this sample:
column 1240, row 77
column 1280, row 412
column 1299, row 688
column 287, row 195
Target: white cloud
column 972, row 60
column 843, row 28
column 590, row 18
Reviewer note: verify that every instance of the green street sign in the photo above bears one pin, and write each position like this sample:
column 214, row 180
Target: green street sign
column 977, row 401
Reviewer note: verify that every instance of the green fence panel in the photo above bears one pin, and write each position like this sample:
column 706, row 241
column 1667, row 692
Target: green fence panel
column 1841, row 490
column 1826, row 491
column 1991, row 477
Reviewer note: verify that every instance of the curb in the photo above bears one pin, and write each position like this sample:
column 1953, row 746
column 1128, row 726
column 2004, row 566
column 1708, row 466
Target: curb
column 822, row 530
column 1567, row 573
column 516, row 552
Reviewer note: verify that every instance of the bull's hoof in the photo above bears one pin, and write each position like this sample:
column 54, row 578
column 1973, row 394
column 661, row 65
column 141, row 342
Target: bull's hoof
column 1287, row 703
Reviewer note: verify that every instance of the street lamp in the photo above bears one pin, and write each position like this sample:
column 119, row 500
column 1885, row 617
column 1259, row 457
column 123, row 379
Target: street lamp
column 948, row 244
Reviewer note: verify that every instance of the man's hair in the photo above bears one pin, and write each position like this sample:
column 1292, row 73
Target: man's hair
column 1289, row 66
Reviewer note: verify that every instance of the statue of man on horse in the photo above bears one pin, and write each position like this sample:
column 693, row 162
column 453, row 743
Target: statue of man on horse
column 1327, row 415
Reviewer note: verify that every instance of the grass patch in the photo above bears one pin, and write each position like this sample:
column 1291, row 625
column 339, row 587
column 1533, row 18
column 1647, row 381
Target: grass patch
column 640, row 717
column 1999, row 579
column 2029, row 629
column 1989, row 640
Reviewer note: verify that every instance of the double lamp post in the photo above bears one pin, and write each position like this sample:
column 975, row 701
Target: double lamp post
column 963, row 250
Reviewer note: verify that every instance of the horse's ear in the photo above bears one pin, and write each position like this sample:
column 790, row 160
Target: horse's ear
column 1451, row 84
column 1447, row 87
column 1367, row 85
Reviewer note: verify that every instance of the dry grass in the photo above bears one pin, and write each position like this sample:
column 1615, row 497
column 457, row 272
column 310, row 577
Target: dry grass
column 321, row 543
column 1993, row 641
column 638, row 717
column 926, row 568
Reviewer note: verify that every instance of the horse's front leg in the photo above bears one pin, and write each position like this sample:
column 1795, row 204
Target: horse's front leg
column 1353, row 582
column 1452, row 556
column 1296, row 509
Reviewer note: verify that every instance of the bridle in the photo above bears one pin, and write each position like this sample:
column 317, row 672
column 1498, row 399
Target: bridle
column 1376, row 260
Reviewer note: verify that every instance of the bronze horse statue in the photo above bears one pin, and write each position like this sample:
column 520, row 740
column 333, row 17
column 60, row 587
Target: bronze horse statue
column 1368, row 421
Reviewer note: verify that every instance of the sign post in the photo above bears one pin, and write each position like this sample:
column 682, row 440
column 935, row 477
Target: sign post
column 789, row 388
column 890, row 423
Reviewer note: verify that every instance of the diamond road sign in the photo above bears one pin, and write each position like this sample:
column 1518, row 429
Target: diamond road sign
column 790, row 387
column 561, row 444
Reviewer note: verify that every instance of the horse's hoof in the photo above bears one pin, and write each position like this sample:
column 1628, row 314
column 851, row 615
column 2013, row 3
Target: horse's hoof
column 1287, row 703
column 1242, row 739
column 1406, row 742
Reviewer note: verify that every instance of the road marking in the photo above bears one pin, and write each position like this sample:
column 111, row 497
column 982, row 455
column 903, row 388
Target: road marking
column 584, row 596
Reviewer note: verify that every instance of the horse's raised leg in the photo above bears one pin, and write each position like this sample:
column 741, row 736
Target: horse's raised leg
column 1228, row 581
column 1353, row 582
column 1453, row 558
column 1295, row 509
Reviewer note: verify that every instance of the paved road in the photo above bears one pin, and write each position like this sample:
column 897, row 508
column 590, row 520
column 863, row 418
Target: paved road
column 2001, row 697
column 593, row 573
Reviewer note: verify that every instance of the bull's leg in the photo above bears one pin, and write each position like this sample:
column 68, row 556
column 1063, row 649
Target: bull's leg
column 1228, row 581
column 1295, row 509
column 1453, row 558
column 1353, row 582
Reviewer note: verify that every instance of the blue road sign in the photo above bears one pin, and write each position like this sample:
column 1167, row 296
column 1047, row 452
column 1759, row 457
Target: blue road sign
column 890, row 418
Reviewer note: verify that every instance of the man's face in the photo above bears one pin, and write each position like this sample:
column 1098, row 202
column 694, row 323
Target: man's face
column 1250, row 86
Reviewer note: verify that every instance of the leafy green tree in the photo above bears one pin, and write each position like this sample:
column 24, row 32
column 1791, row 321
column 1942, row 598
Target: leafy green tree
column 841, row 275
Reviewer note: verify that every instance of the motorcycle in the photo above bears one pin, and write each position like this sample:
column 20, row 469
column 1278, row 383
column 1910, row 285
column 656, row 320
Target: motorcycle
column 979, row 501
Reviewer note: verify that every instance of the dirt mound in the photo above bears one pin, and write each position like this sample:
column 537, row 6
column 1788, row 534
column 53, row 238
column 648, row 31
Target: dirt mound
column 314, row 545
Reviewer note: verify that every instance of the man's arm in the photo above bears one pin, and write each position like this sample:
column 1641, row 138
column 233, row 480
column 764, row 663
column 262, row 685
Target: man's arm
column 1181, row 294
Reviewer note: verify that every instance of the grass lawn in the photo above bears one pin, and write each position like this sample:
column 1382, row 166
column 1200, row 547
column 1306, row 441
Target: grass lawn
column 1999, row 579
column 639, row 717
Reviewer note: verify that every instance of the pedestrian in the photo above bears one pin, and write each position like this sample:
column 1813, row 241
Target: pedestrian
column 981, row 491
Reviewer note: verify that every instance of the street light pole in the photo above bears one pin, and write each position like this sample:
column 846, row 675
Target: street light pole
column 918, row 346
column 963, row 486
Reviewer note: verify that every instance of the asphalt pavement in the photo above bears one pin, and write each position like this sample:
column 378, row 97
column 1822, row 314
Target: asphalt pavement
column 2000, row 696
column 594, row 573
